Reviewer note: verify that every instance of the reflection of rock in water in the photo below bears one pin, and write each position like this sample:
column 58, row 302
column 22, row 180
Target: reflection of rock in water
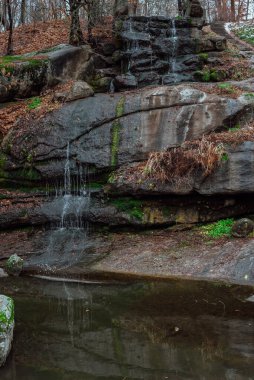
column 75, row 331
column 65, row 244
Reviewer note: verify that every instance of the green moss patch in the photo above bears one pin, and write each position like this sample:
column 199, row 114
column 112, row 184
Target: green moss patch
column 132, row 207
column 219, row 229
column 115, row 132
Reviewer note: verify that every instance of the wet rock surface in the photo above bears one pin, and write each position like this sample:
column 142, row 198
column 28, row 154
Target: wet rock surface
column 167, row 47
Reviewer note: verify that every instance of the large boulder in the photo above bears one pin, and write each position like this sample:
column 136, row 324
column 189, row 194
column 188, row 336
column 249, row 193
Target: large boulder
column 6, row 327
column 111, row 130
column 25, row 76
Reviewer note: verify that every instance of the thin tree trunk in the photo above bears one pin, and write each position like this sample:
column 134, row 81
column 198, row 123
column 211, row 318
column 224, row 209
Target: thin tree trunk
column 22, row 12
column 232, row 10
column 76, row 37
column 10, row 37
column 247, row 9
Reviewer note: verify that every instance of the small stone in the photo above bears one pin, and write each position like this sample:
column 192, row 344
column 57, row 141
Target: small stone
column 242, row 228
column 6, row 327
column 14, row 265
column 80, row 90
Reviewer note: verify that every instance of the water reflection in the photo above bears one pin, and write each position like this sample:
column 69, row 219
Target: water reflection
column 139, row 331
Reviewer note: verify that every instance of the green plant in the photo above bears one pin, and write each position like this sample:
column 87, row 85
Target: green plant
column 112, row 178
column 226, row 86
column 249, row 96
column 115, row 131
column 132, row 207
column 235, row 128
column 203, row 57
column 224, row 157
column 33, row 103
column 218, row 229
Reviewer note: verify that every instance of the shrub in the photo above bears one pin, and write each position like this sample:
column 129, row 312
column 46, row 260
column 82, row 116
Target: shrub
column 33, row 103
column 218, row 229
column 183, row 161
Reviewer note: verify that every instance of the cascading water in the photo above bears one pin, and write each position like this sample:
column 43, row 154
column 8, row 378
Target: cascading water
column 174, row 38
column 65, row 243
column 75, row 197
column 172, row 75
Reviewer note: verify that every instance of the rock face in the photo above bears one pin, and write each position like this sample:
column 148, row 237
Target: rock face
column 233, row 175
column 163, row 50
column 27, row 75
column 106, row 131
column 6, row 327
column 156, row 49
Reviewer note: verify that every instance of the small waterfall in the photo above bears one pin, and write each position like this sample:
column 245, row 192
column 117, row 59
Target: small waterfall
column 112, row 87
column 174, row 50
column 65, row 243
column 172, row 75
column 75, row 197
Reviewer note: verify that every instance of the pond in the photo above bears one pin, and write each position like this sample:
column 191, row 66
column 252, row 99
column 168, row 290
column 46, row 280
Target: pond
column 126, row 331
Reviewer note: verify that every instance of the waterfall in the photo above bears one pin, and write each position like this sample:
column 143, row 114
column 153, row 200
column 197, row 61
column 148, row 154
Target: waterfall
column 75, row 197
column 174, row 50
column 64, row 244
column 172, row 75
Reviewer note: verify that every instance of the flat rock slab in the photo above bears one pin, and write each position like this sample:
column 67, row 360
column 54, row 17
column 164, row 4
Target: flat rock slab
column 180, row 254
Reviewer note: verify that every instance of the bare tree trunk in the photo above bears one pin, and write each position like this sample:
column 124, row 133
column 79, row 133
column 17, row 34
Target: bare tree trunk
column 232, row 10
column 76, row 37
column 10, row 37
column 3, row 16
column 247, row 9
column 22, row 12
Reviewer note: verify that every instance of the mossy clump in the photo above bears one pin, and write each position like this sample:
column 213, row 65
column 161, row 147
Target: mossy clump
column 209, row 75
column 219, row 229
column 33, row 103
column 115, row 132
column 203, row 57
column 6, row 313
column 14, row 265
column 132, row 207
column 226, row 87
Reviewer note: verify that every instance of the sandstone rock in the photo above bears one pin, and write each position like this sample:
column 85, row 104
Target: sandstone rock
column 234, row 175
column 14, row 265
column 6, row 327
column 242, row 228
column 152, row 119
column 30, row 75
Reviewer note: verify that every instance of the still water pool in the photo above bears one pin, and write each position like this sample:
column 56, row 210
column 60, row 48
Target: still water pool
column 150, row 330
